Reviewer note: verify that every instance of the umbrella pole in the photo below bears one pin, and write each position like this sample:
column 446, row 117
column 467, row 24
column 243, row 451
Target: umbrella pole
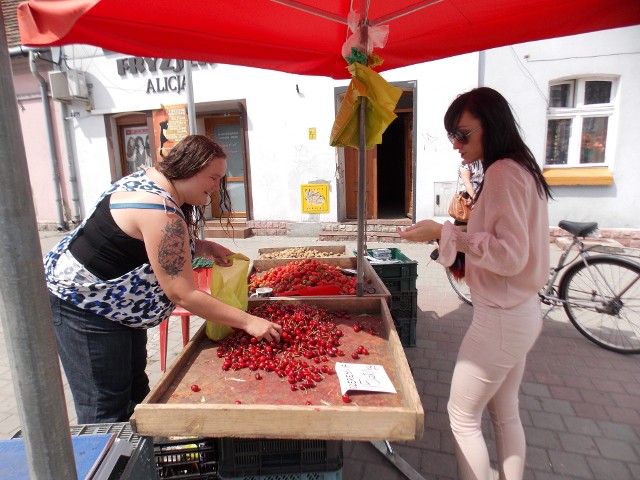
column 362, row 192
column 25, row 312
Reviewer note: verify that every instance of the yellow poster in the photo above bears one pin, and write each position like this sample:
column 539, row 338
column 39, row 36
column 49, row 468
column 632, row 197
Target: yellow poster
column 315, row 197
column 170, row 125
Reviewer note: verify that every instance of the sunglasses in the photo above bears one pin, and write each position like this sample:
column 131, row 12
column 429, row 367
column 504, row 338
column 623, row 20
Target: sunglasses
column 461, row 137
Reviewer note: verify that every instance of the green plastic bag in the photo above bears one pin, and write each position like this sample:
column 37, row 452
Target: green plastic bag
column 229, row 285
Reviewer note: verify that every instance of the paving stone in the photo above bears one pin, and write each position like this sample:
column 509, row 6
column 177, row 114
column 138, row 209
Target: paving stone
column 569, row 464
column 565, row 393
column 538, row 459
column 616, row 450
column 556, row 406
column 578, row 443
column 623, row 415
column 584, row 426
column 604, row 468
column 535, row 390
column 541, row 437
column 619, row 431
column 589, row 410
column 552, row 421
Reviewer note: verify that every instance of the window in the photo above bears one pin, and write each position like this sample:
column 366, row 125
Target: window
column 578, row 121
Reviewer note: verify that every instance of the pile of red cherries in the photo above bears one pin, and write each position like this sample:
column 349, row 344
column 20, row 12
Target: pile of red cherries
column 309, row 339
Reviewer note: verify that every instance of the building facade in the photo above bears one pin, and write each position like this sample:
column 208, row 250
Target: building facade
column 575, row 99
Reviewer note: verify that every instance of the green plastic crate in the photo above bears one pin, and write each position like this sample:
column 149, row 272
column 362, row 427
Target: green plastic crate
column 407, row 267
column 406, row 328
column 404, row 304
column 400, row 284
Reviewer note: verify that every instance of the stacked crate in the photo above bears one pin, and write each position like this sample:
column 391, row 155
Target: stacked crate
column 248, row 459
column 399, row 275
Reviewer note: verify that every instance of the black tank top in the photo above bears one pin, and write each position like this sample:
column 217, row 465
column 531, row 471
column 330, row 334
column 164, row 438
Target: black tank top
column 104, row 249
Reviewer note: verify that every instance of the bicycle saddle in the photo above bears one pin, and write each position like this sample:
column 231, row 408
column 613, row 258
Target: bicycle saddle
column 579, row 229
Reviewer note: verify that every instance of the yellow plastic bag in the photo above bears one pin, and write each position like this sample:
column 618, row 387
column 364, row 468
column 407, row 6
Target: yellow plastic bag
column 382, row 100
column 229, row 285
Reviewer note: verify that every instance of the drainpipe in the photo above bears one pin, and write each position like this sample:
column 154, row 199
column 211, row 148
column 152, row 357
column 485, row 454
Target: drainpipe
column 71, row 162
column 481, row 67
column 52, row 151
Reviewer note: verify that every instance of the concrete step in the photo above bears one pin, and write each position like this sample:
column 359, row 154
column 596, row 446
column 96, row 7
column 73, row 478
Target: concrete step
column 237, row 229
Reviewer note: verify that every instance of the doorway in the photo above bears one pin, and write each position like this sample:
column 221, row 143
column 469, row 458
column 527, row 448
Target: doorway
column 389, row 170
column 228, row 131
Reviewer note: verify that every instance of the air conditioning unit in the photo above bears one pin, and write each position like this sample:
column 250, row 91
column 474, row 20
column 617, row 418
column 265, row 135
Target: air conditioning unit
column 68, row 85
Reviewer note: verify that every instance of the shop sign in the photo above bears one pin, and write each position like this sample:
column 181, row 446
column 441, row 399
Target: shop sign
column 174, row 81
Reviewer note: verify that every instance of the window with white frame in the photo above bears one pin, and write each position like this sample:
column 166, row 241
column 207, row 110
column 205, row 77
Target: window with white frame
column 578, row 121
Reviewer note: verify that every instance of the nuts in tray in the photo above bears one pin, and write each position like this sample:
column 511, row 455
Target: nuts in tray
column 299, row 252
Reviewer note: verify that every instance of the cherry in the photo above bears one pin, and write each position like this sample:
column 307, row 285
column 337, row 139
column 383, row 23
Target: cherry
column 195, row 388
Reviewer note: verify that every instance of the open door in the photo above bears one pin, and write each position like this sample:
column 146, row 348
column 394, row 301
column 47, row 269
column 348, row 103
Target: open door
column 351, row 182
column 408, row 164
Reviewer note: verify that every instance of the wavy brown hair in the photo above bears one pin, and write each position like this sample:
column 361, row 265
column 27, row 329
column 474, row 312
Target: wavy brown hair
column 187, row 158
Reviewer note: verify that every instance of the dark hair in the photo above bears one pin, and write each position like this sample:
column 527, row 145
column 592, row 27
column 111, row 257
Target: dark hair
column 186, row 159
column 501, row 133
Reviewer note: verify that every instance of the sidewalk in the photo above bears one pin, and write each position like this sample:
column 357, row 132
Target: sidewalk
column 580, row 404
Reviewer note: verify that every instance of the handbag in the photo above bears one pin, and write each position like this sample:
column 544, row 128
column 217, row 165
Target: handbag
column 460, row 206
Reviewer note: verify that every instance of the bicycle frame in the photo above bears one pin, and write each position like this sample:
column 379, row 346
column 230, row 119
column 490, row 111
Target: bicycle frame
column 548, row 294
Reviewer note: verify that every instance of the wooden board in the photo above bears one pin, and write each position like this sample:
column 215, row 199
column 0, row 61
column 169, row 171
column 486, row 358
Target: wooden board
column 269, row 409
column 373, row 284
column 334, row 249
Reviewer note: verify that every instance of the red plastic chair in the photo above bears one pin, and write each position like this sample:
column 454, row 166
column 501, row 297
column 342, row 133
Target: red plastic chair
column 202, row 276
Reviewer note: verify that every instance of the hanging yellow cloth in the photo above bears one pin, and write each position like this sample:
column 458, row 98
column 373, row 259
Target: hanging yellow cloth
column 382, row 100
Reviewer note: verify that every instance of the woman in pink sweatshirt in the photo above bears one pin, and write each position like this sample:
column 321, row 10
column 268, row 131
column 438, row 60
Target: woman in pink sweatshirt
column 506, row 247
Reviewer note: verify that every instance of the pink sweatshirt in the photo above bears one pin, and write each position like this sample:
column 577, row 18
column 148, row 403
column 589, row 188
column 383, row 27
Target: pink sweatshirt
column 506, row 245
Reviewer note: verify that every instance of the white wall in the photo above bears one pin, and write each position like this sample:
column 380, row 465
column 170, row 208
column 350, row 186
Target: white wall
column 522, row 73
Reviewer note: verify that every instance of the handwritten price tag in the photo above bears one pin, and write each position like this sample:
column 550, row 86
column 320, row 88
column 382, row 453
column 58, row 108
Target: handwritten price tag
column 363, row 377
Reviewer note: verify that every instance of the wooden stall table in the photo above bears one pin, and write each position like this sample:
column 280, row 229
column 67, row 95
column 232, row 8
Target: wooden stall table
column 267, row 408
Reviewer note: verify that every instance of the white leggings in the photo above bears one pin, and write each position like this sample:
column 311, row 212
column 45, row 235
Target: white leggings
column 488, row 373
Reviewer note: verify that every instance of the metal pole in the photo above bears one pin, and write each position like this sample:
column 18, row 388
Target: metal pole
column 24, row 304
column 362, row 173
column 191, row 114
column 191, row 106
column 362, row 196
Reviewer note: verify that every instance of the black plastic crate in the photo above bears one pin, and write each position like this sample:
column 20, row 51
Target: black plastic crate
column 400, row 284
column 187, row 458
column 404, row 304
column 405, row 268
column 241, row 457
column 406, row 328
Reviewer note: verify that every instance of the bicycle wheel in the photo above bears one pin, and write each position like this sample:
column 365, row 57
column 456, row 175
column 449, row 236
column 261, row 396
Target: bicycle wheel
column 593, row 302
column 460, row 287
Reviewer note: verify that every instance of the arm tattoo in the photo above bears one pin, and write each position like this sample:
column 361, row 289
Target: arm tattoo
column 171, row 248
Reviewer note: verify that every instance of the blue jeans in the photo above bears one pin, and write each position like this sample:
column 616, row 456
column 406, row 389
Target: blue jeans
column 104, row 362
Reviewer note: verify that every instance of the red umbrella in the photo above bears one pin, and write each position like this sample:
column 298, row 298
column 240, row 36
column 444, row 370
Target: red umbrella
column 306, row 36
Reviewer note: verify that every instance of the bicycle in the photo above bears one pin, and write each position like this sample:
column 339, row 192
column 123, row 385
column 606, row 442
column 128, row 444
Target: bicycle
column 600, row 293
